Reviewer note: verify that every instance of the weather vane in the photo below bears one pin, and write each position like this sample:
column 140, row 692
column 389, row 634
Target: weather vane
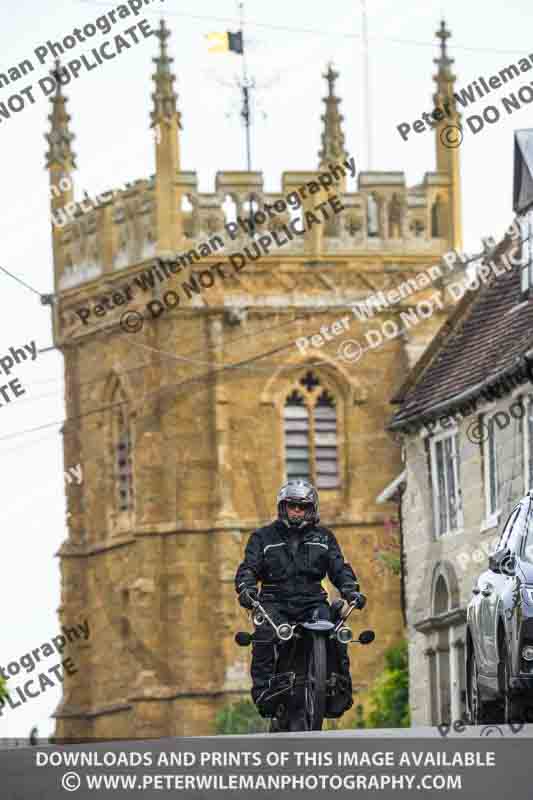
column 235, row 42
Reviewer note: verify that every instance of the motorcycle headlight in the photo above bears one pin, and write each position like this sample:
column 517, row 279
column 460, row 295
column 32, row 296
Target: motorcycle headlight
column 285, row 631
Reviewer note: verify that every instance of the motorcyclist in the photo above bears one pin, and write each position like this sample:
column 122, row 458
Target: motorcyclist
column 291, row 557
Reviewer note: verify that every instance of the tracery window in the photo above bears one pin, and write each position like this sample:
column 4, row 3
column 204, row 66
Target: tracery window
column 310, row 428
column 124, row 467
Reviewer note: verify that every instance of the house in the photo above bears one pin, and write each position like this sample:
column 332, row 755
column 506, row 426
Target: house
column 465, row 417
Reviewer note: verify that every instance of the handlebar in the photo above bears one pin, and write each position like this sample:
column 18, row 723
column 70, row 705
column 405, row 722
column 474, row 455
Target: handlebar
column 344, row 617
column 282, row 631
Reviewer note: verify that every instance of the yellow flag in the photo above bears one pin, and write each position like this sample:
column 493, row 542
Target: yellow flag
column 219, row 42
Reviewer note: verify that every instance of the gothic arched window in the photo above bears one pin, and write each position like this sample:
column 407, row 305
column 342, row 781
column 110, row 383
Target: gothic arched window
column 445, row 649
column 310, row 427
column 122, row 453
column 124, row 470
column 441, row 596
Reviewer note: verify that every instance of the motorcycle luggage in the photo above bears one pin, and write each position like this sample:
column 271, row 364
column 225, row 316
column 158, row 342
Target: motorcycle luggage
column 339, row 693
column 279, row 688
column 339, row 697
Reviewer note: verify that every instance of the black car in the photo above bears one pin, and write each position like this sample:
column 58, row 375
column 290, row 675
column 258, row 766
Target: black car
column 499, row 635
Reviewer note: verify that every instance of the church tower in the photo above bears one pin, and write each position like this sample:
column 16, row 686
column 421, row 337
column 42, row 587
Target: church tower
column 187, row 415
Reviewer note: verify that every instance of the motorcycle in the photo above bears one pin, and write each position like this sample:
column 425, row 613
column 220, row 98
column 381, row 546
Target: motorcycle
column 305, row 688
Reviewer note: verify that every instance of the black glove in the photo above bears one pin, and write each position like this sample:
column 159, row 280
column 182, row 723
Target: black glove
column 246, row 597
column 353, row 596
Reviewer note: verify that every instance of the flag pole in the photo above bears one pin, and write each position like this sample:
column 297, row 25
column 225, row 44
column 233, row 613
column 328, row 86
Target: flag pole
column 246, row 86
column 366, row 87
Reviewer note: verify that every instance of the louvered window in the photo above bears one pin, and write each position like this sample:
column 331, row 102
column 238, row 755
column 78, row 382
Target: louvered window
column 123, row 465
column 297, row 437
column 325, row 419
column 310, row 424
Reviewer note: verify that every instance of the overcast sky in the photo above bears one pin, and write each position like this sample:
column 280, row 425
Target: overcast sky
column 289, row 48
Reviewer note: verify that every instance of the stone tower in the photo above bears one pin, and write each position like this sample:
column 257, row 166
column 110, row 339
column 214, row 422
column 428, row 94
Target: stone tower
column 186, row 428
column 448, row 138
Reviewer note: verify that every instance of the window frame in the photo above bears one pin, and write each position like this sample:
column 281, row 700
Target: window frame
column 119, row 522
column 492, row 516
column 452, row 435
column 123, row 438
column 526, row 260
column 310, row 400
column 308, row 432
column 527, row 440
column 315, row 446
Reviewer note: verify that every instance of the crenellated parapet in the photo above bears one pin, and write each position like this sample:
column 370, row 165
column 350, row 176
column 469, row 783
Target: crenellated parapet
column 166, row 214
column 122, row 232
column 112, row 235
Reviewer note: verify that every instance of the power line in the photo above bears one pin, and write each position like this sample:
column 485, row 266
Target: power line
column 238, row 365
column 21, row 281
column 193, row 379
column 19, row 447
column 103, row 329
column 313, row 31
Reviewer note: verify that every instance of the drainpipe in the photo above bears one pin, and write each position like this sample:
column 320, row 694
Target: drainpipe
column 403, row 600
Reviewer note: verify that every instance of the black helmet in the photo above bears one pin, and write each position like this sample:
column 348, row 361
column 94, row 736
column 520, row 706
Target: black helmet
column 300, row 491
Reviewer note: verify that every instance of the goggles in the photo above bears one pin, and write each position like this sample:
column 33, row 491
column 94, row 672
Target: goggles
column 294, row 505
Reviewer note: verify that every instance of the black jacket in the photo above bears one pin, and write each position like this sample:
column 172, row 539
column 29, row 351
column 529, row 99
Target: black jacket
column 269, row 558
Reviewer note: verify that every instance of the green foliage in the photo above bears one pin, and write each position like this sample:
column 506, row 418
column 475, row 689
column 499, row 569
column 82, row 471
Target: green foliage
column 389, row 701
column 359, row 721
column 389, row 695
column 391, row 561
column 239, row 718
column 389, row 551
column 3, row 688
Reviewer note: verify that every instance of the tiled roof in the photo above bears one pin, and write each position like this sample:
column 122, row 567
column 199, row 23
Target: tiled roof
column 487, row 334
